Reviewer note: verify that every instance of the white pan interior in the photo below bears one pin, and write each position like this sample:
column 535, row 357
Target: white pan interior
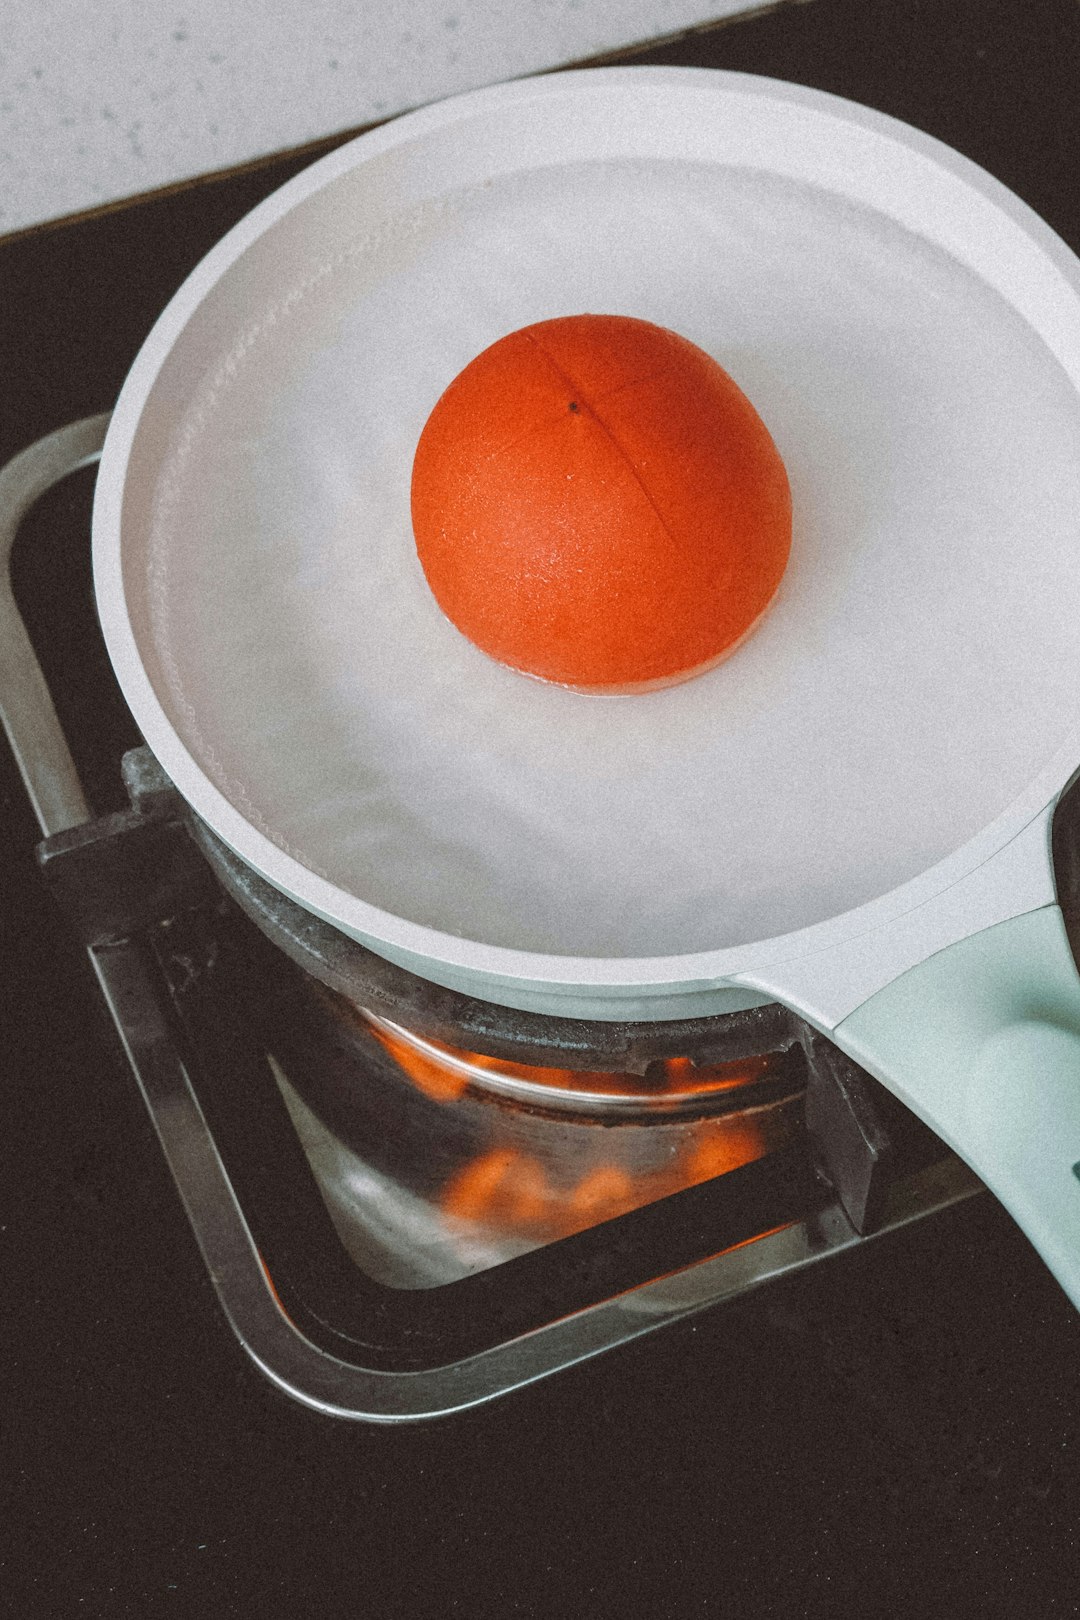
column 918, row 670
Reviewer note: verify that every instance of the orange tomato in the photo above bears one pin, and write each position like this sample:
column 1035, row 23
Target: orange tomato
column 595, row 502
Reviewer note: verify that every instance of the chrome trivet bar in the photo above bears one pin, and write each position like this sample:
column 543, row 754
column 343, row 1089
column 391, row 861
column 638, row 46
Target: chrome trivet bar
column 134, row 994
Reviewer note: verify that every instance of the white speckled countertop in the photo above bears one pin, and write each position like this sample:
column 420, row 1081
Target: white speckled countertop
column 103, row 102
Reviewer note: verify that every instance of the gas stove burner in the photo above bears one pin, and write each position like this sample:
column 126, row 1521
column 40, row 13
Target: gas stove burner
column 436, row 1163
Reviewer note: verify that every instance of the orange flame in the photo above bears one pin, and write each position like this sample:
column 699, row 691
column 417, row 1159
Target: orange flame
column 434, row 1079
column 510, row 1190
column 667, row 1076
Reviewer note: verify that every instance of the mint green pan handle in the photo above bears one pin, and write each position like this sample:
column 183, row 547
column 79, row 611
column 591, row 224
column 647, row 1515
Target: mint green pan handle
column 982, row 1041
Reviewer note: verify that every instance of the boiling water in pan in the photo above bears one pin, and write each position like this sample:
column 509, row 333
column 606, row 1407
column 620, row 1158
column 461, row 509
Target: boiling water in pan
column 903, row 689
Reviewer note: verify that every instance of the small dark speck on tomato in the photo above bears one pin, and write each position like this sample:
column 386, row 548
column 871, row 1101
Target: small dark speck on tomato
column 573, row 405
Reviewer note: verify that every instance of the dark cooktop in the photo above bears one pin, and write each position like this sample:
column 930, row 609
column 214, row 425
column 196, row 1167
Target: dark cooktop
column 895, row 1433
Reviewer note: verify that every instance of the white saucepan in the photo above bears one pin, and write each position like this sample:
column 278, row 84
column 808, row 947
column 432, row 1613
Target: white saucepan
column 852, row 815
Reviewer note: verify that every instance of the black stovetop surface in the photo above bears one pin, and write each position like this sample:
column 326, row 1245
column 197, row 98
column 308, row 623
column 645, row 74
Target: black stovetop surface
column 895, row 1433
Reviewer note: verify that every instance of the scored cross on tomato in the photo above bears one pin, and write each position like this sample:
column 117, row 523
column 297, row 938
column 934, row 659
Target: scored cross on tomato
column 596, row 503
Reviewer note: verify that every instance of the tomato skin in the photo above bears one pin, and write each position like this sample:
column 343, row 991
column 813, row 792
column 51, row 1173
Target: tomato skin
column 595, row 502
